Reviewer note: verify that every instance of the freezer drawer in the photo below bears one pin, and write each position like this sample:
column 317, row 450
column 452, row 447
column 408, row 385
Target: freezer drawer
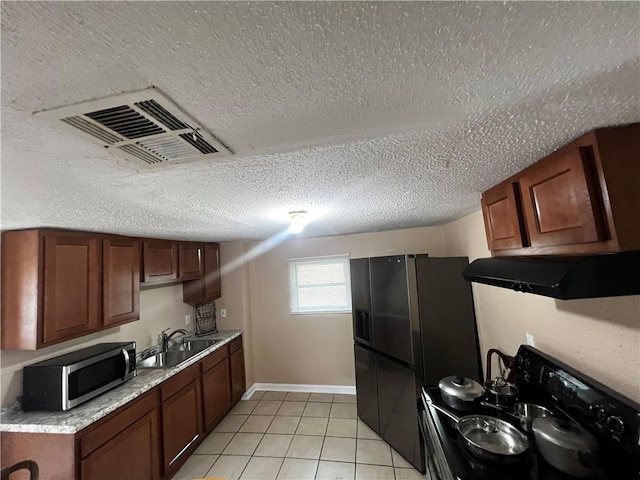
column 366, row 387
column 398, row 410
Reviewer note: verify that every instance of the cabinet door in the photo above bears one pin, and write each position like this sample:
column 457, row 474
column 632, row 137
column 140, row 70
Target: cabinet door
column 561, row 200
column 133, row 453
column 397, row 407
column 361, row 301
column 503, row 219
column 212, row 280
column 190, row 264
column 120, row 281
column 216, row 393
column 181, row 425
column 72, row 286
column 390, row 305
column 366, row 386
column 237, row 375
column 209, row 286
column 160, row 261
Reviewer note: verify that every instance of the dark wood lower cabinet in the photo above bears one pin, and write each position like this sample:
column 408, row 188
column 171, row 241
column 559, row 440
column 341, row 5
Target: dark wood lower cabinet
column 132, row 453
column 182, row 426
column 238, row 386
column 149, row 438
column 216, row 393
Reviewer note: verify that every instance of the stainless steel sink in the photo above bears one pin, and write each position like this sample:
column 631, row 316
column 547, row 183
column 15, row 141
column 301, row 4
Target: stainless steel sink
column 166, row 359
column 176, row 354
column 196, row 345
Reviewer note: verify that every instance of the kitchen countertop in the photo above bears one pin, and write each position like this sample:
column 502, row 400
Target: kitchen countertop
column 74, row 420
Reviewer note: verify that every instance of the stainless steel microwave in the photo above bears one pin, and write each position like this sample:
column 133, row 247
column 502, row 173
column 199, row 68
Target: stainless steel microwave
column 66, row 381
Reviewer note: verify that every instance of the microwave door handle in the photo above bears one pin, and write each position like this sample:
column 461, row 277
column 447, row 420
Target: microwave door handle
column 125, row 353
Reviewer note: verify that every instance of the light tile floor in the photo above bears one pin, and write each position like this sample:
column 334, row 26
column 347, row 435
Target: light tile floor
column 296, row 436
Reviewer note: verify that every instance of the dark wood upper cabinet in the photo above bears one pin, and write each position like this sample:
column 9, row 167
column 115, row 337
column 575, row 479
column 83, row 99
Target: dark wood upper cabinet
column 121, row 281
column 58, row 284
column 209, row 286
column 51, row 287
column 159, row 261
column 561, row 199
column 212, row 281
column 582, row 199
column 71, row 286
column 503, row 217
column 191, row 262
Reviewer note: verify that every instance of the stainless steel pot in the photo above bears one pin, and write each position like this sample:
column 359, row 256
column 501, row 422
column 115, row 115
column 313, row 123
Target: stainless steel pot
column 501, row 393
column 460, row 393
column 489, row 438
column 566, row 445
column 528, row 412
column 525, row 413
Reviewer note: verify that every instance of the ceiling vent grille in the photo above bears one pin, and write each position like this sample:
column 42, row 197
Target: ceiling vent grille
column 145, row 127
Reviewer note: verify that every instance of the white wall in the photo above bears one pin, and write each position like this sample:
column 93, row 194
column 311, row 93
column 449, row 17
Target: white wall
column 600, row 336
column 160, row 308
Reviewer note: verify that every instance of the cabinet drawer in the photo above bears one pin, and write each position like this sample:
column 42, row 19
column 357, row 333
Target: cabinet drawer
column 113, row 425
column 214, row 358
column 178, row 381
column 235, row 345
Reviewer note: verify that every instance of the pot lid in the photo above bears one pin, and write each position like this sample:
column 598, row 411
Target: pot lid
column 493, row 435
column 564, row 434
column 461, row 387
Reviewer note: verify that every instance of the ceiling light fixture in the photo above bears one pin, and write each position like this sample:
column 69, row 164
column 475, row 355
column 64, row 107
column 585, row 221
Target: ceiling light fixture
column 299, row 220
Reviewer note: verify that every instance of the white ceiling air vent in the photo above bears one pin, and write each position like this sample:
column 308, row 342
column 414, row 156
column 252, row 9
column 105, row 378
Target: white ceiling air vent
column 145, row 127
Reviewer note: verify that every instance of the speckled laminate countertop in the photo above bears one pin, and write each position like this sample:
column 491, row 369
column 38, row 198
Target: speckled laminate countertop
column 74, row 420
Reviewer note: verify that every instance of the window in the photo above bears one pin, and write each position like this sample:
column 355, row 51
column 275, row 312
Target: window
column 320, row 284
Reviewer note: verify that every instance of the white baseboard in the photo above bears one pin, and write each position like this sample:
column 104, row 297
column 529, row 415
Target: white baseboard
column 297, row 387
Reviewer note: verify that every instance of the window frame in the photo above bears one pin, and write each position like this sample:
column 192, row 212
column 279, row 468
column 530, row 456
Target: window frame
column 294, row 307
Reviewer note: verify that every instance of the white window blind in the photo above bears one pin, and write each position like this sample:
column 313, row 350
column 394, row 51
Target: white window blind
column 320, row 284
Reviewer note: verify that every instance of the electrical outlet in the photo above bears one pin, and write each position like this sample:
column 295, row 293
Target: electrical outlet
column 530, row 339
column 187, row 319
column 223, row 312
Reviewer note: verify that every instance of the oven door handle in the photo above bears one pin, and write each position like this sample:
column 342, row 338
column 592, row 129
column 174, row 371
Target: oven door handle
column 127, row 362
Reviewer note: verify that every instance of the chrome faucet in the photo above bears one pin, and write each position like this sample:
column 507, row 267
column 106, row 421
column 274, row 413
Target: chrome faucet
column 166, row 338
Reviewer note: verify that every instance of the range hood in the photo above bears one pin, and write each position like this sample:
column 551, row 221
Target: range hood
column 565, row 278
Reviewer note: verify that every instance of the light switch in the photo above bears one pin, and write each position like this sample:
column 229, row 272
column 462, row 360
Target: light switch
column 223, row 312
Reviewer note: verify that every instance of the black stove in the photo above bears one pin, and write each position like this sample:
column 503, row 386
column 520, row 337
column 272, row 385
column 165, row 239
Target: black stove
column 612, row 418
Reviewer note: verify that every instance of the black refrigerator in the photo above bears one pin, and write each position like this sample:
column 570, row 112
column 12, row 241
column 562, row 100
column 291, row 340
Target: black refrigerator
column 413, row 324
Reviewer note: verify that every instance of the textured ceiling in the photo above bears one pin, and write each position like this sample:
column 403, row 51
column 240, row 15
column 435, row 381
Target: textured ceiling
column 376, row 115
